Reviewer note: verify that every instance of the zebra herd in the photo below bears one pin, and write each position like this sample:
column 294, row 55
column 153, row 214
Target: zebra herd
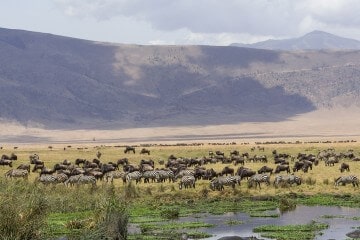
column 177, row 170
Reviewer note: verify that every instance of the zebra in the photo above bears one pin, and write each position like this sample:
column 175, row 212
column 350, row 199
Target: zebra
column 347, row 179
column 47, row 179
column 136, row 175
column 257, row 179
column 115, row 175
column 187, row 181
column 185, row 172
column 72, row 180
column 17, row 173
column 87, row 179
column 165, row 174
column 219, row 182
column 289, row 179
column 153, row 175
column 61, row 177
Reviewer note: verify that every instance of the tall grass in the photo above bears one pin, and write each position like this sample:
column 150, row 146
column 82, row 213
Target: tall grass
column 23, row 211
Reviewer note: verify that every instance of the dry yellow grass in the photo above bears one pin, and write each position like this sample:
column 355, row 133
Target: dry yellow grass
column 323, row 175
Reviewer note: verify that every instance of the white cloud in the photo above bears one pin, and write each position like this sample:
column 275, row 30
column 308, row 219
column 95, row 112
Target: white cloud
column 222, row 21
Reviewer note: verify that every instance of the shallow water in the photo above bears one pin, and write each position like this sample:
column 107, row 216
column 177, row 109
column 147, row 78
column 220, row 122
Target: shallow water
column 340, row 224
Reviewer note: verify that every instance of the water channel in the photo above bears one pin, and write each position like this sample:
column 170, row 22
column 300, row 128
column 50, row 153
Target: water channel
column 341, row 220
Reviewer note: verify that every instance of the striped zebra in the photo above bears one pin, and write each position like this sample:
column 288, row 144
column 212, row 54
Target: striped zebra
column 152, row 174
column 219, row 182
column 288, row 179
column 187, row 181
column 115, row 175
column 61, row 177
column 87, row 179
column 72, row 180
column 185, row 172
column 47, row 179
column 163, row 175
column 257, row 179
column 347, row 179
column 17, row 173
column 136, row 175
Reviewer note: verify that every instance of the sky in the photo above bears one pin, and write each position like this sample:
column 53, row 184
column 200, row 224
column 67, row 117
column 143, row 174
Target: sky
column 182, row 22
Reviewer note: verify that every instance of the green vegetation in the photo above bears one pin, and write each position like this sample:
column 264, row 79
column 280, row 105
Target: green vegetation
column 94, row 212
column 288, row 232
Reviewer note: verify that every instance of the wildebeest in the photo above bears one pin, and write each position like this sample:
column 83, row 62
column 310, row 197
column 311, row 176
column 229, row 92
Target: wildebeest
column 145, row 151
column 4, row 162
column 129, row 149
column 265, row 169
column 245, row 172
column 227, row 170
column 234, row 153
column 219, row 153
column 79, row 161
column 344, row 167
column 280, row 168
column 123, row 161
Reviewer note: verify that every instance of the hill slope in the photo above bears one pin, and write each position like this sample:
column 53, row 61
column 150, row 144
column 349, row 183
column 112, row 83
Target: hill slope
column 315, row 40
column 63, row 82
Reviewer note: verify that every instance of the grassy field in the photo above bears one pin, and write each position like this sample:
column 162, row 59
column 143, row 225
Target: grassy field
column 73, row 211
column 319, row 180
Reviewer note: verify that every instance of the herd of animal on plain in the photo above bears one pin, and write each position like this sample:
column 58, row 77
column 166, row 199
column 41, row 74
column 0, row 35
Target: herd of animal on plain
column 185, row 171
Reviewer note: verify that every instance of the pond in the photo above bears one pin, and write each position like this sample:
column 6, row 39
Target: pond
column 341, row 220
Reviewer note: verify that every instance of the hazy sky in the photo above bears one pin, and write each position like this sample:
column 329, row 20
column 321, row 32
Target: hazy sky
column 210, row 22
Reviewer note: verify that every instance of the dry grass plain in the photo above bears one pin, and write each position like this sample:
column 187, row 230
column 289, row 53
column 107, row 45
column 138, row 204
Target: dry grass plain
column 318, row 180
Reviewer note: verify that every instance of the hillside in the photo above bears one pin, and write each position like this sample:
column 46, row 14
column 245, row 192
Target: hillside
column 60, row 82
column 316, row 40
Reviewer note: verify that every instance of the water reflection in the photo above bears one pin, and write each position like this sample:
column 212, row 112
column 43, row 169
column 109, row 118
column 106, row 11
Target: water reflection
column 340, row 220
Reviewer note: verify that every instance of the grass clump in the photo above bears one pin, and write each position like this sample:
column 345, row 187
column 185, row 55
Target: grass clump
column 23, row 211
column 291, row 232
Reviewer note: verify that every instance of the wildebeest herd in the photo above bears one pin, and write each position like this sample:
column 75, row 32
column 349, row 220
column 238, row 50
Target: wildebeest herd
column 187, row 171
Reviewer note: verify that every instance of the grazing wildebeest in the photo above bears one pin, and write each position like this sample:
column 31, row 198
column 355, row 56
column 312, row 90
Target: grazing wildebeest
column 227, row 170
column 234, row 153
column 265, row 169
column 344, row 167
column 4, row 162
column 129, row 149
column 245, row 172
column 145, row 151
column 219, row 153
column 123, row 161
column 238, row 160
column 79, row 161
column 280, row 168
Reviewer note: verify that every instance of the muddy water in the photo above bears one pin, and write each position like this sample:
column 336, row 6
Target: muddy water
column 340, row 223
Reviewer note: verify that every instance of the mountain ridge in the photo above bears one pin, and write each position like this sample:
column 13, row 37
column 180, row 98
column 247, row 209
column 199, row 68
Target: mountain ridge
column 315, row 40
column 61, row 82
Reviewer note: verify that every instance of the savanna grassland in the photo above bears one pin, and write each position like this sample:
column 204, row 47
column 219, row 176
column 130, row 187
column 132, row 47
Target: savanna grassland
column 106, row 210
